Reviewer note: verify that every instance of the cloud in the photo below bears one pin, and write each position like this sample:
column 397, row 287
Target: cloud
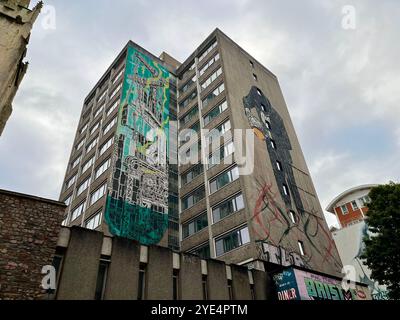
column 341, row 86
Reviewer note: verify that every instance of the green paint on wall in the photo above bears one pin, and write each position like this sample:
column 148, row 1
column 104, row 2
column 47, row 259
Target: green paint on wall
column 137, row 199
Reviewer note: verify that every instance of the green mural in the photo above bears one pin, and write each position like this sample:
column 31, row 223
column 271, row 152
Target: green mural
column 137, row 198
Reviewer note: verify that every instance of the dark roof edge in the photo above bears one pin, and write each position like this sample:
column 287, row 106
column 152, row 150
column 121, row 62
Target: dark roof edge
column 31, row 197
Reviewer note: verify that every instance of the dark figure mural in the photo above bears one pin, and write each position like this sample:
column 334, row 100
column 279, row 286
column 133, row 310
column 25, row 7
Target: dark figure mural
column 277, row 234
column 269, row 126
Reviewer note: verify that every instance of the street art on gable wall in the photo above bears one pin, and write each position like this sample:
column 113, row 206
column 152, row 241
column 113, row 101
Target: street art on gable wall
column 137, row 199
column 271, row 223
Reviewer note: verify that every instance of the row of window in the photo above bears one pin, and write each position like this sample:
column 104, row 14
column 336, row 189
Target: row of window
column 215, row 184
column 224, row 244
column 209, row 64
column 211, row 79
column 209, row 49
column 219, row 212
column 90, row 162
column 363, row 200
column 83, row 186
column 94, row 197
column 92, row 223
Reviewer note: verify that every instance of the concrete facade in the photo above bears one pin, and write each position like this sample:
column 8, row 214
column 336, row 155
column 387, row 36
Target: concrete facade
column 83, row 251
column 16, row 21
column 94, row 145
column 29, row 228
column 274, row 235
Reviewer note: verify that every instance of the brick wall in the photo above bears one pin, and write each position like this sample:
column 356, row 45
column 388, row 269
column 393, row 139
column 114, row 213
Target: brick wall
column 29, row 228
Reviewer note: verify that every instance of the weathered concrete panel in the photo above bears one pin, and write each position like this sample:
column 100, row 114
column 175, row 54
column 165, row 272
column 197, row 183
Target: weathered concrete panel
column 190, row 277
column 217, row 281
column 123, row 274
column 240, row 283
column 159, row 274
column 81, row 266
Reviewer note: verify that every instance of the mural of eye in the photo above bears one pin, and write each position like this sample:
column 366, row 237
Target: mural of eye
column 137, row 199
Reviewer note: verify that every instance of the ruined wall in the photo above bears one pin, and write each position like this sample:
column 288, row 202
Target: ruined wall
column 16, row 22
column 29, row 228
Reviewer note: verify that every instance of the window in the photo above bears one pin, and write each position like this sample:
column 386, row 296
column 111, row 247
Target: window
column 112, row 108
column 75, row 162
column 92, row 144
column 213, row 95
column 215, row 112
column 101, row 280
column 268, row 124
column 364, row 200
column 255, row 76
column 102, row 95
column 78, row 211
column 292, row 215
column 189, row 116
column 94, row 128
column 116, row 78
column 285, row 189
column 279, row 165
column 188, row 85
column 115, row 91
column 194, row 197
column 230, row 291
column 192, row 173
column 83, row 129
column 87, row 164
column 251, row 63
column 189, row 99
column 209, row 63
column 232, row 240
column 194, row 226
column 211, row 78
column 100, row 192
column 344, row 209
column 210, row 48
column 106, row 145
column 98, row 111
column 223, row 179
column 222, row 129
column 217, row 157
column 273, row 144
column 80, row 144
column 301, row 248
column 68, row 200
column 94, row 221
column 142, row 282
column 203, row 251
column 227, row 207
column 204, row 284
column 263, row 108
column 259, row 92
column 103, row 167
column 110, row 125
column 71, row 181
column 175, row 284
column 64, row 223
column 354, row 205
column 82, row 187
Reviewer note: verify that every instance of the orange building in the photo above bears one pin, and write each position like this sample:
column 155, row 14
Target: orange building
column 350, row 206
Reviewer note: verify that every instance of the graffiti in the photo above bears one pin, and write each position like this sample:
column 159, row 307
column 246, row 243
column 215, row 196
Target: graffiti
column 273, row 226
column 137, row 199
column 294, row 284
column 279, row 255
column 268, row 125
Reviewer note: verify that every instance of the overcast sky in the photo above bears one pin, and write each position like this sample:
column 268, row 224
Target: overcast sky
column 341, row 85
